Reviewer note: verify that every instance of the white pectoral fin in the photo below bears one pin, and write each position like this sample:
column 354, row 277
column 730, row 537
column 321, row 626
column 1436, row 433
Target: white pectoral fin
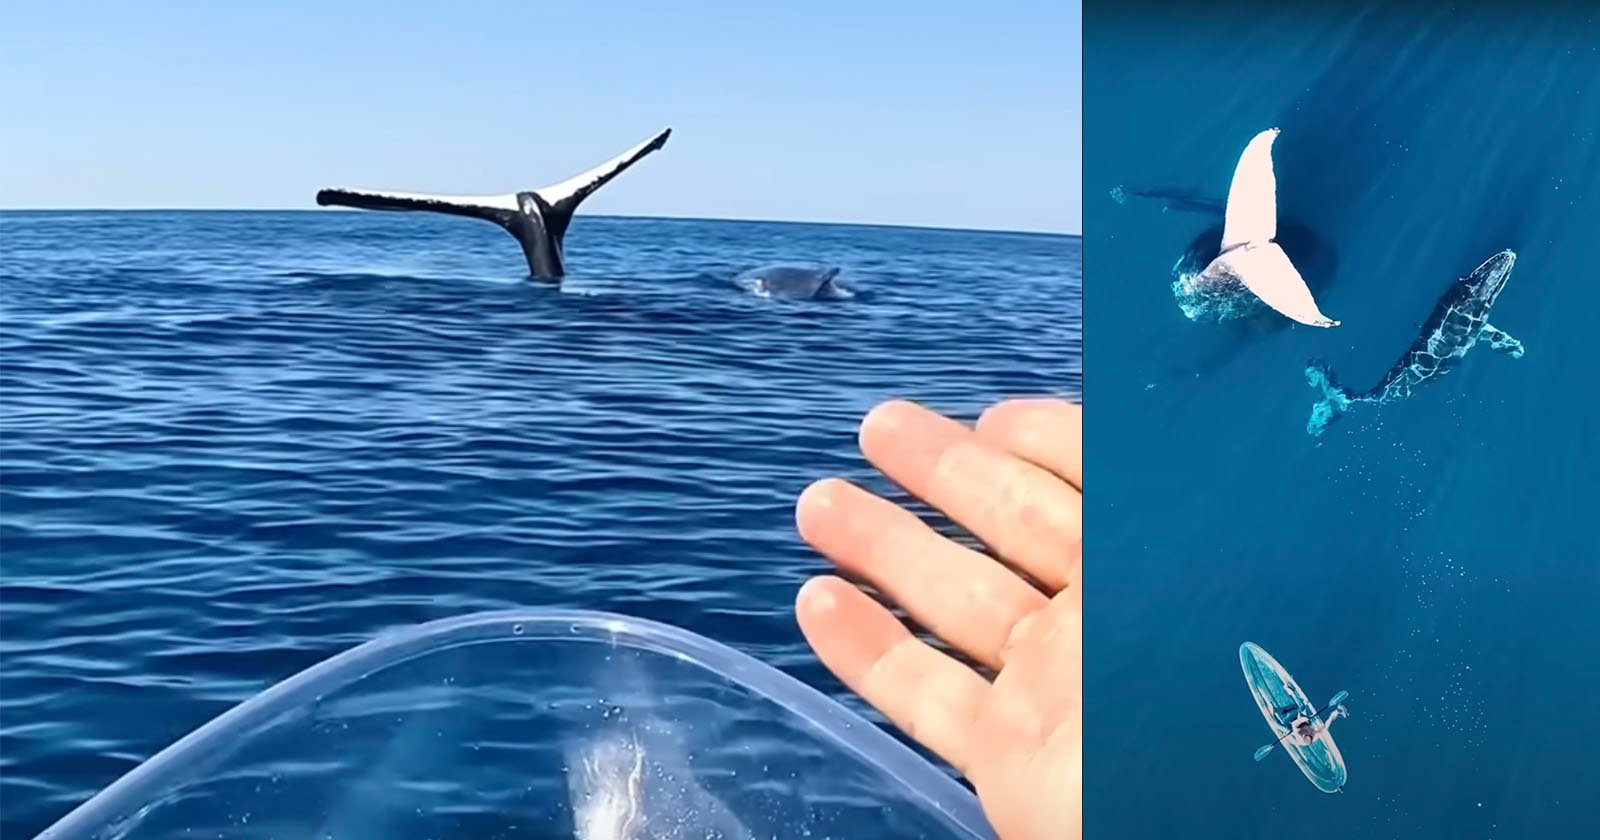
column 1252, row 211
column 1267, row 272
column 1501, row 340
column 578, row 187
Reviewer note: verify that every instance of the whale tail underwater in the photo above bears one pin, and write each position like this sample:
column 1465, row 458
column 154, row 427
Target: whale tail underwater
column 1336, row 399
column 1250, row 254
column 537, row 218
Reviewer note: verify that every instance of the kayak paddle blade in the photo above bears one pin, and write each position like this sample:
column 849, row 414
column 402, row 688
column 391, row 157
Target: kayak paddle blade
column 1337, row 699
column 1262, row 753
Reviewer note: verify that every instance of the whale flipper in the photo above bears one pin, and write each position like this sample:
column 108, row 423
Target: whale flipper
column 1501, row 340
column 1266, row 271
column 1252, row 211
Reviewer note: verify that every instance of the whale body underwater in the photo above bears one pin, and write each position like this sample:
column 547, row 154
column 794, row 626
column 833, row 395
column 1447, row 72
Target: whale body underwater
column 791, row 282
column 1459, row 322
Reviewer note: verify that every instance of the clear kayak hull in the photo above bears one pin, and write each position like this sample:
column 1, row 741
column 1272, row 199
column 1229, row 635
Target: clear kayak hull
column 1276, row 693
column 535, row 723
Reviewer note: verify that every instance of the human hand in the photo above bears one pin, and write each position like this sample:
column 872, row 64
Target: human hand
column 1016, row 483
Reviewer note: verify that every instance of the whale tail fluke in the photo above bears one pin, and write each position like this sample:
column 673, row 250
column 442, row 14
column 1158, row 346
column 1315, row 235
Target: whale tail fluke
column 537, row 218
column 1267, row 272
column 1249, row 230
column 1251, row 214
column 563, row 198
column 1336, row 400
column 494, row 208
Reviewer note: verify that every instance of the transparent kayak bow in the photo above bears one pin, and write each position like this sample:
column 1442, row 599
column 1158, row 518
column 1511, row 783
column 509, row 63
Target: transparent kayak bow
column 535, row 723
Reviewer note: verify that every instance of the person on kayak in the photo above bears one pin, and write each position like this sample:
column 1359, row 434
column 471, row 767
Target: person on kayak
column 1304, row 731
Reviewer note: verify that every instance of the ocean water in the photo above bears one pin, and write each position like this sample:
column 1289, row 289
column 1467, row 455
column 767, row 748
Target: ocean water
column 235, row 443
column 1435, row 557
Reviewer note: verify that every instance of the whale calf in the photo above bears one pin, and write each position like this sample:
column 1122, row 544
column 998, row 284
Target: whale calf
column 1250, row 256
column 537, row 218
column 1459, row 321
column 793, row 282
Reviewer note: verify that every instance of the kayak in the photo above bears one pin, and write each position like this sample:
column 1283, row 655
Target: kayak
column 535, row 722
column 1280, row 700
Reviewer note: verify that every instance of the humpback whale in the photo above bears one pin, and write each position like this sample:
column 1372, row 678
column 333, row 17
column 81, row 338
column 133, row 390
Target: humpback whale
column 537, row 218
column 1459, row 321
column 793, row 282
column 1251, row 256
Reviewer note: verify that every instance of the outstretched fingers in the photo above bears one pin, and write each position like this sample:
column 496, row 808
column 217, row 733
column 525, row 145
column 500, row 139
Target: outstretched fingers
column 963, row 597
column 1020, row 510
column 1046, row 432
column 931, row 697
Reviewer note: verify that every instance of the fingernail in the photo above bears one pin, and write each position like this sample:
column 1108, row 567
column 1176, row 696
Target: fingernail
column 815, row 597
column 886, row 417
column 819, row 495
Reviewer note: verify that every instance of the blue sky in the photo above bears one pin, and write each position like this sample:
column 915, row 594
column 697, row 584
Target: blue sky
column 952, row 114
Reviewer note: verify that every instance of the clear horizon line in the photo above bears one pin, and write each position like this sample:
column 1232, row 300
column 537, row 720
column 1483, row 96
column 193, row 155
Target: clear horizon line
column 1024, row 232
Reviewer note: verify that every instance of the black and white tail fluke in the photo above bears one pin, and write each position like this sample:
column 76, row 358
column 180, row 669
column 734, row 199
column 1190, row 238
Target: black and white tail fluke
column 564, row 198
column 494, row 208
column 537, row 218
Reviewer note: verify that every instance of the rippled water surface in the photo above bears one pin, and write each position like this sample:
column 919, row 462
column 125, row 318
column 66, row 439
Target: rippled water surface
column 235, row 443
column 1435, row 557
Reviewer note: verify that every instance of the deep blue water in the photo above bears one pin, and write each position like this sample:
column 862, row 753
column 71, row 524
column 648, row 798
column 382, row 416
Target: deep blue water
column 1438, row 557
column 236, row 443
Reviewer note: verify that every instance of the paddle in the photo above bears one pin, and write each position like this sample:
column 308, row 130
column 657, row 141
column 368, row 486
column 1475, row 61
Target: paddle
column 1263, row 752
